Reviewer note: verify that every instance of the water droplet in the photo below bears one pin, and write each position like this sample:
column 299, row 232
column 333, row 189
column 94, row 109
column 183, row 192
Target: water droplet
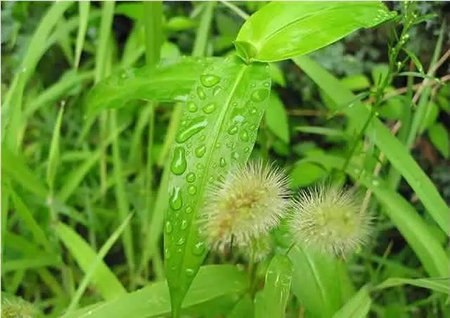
column 208, row 109
column 201, row 93
column 199, row 166
column 180, row 241
column 190, row 177
column 192, row 189
column 167, row 253
column 235, row 155
column 246, row 149
column 197, row 125
column 217, row 145
column 266, row 84
column 192, row 107
column 190, row 272
column 209, row 80
column 222, row 163
column 184, row 224
column 232, row 130
column 243, row 135
column 217, row 90
column 178, row 165
column 188, row 210
column 198, row 248
column 200, row 151
column 211, row 179
column 259, row 95
column 168, row 227
column 202, row 138
column 253, row 110
column 175, row 199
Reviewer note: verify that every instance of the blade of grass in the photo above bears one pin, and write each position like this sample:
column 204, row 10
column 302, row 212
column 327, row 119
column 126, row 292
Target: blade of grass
column 53, row 155
column 153, row 31
column 201, row 40
column 82, row 28
column 440, row 285
column 394, row 150
column 96, row 262
column 357, row 307
column 103, row 278
column 121, row 196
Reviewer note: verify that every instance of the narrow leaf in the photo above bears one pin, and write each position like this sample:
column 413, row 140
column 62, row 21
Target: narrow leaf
column 282, row 30
column 53, row 156
column 106, row 282
column 440, row 285
column 82, row 28
column 357, row 307
column 277, row 286
column 218, row 129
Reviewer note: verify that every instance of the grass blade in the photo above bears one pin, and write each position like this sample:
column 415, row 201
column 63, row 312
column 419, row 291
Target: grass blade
column 53, row 155
column 82, row 28
column 225, row 96
column 440, row 285
column 103, row 278
column 357, row 307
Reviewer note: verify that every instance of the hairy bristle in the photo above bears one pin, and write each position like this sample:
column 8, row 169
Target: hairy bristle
column 330, row 220
column 249, row 202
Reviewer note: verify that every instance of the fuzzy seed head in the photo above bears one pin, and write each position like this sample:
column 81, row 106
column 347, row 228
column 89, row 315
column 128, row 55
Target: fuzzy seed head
column 249, row 202
column 329, row 219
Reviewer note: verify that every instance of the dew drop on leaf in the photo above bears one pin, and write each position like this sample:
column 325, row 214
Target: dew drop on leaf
column 192, row 107
column 192, row 189
column 175, row 200
column 209, row 80
column 190, row 177
column 198, row 248
column 222, row 162
column 232, row 130
column 208, row 109
column 259, row 95
column 190, row 272
column 184, row 224
column 201, row 93
column 178, row 165
column 200, row 151
column 197, row 125
column 243, row 135
column 181, row 241
column 217, row 90
column 168, row 227
column 235, row 155
column 188, row 210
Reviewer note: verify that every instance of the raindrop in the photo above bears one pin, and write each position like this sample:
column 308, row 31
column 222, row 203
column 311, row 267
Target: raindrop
column 201, row 93
column 209, row 80
column 192, row 107
column 217, row 90
column 200, row 151
column 198, row 248
column 222, row 163
column 178, row 165
column 190, row 272
column 246, row 149
column 253, row 110
column 217, row 145
column 259, row 95
column 266, row 84
column 235, row 155
column 232, row 130
column 175, row 199
column 190, row 177
column 243, row 135
column 180, row 241
column 208, row 109
column 188, row 210
column 196, row 126
column 184, row 225
column 192, row 189
column 167, row 253
column 168, row 227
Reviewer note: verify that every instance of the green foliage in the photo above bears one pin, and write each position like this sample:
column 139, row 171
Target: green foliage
column 119, row 119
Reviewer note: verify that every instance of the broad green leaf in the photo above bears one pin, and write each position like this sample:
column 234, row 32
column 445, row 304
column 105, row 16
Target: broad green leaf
column 281, row 30
column 218, row 129
column 394, row 150
column 277, row 118
column 244, row 308
column 440, row 285
column 168, row 82
column 105, row 281
column 153, row 300
column 274, row 297
column 314, row 282
column 439, row 137
column 357, row 307
column 416, row 232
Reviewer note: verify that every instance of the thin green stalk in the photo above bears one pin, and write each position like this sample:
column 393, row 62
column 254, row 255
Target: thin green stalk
column 153, row 31
column 204, row 27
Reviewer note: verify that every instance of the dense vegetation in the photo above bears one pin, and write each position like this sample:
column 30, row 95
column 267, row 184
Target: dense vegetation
column 225, row 159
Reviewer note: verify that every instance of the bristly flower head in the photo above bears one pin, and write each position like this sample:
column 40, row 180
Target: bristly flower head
column 248, row 203
column 329, row 219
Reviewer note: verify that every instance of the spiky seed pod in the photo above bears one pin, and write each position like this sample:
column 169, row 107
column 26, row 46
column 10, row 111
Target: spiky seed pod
column 16, row 307
column 329, row 219
column 249, row 202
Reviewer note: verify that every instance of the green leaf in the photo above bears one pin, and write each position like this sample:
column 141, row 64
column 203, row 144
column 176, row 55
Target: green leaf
column 106, row 282
column 82, row 28
column 277, row 118
column 394, row 150
column 218, row 129
column 305, row 173
column 281, row 30
column 153, row 300
column 415, row 231
column 439, row 137
column 274, row 297
column 244, row 308
column 357, row 307
column 53, row 156
column 440, row 285
column 314, row 282
column 168, row 82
